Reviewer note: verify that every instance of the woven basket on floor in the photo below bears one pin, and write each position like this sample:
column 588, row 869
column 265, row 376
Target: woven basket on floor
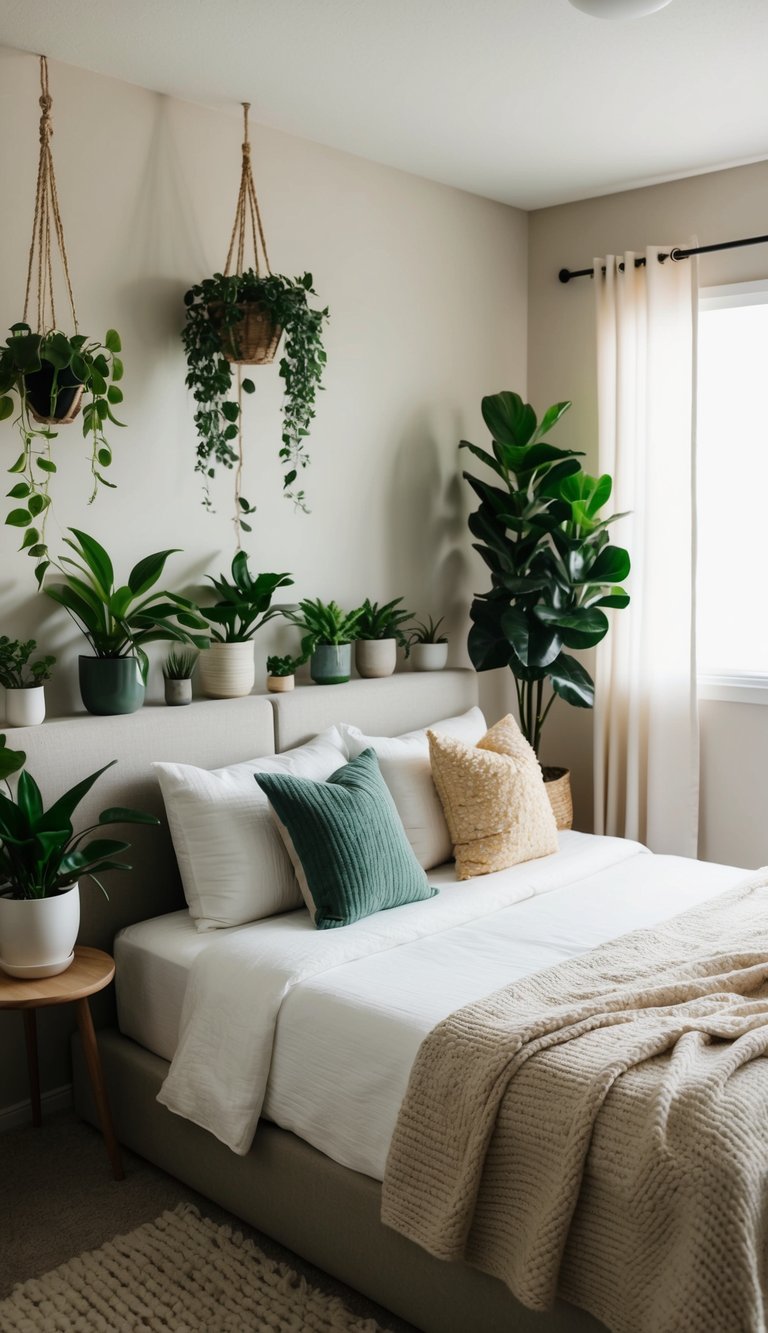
column 254, row 340
column 558, row 784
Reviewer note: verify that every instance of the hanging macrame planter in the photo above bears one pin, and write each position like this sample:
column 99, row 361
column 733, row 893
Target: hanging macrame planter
column 48, row 376
column 238, row 318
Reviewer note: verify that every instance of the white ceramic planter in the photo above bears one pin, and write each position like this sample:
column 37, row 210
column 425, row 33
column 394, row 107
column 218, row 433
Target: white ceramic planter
column 280, row 684
column 227, row 670
column 178, row 692
column 375, row 657
column 25, row 708
column 38, row 935
column 429, row 656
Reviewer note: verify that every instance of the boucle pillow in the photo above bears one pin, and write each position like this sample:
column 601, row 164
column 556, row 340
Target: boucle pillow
column 346, row 841
column 494, row 799
column 232, row 861
column 405, row 767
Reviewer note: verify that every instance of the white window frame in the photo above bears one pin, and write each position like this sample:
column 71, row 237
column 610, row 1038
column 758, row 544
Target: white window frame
column 732, row 686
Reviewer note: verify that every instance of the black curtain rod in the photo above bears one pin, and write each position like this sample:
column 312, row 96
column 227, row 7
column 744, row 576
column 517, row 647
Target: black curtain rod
column 676, row 253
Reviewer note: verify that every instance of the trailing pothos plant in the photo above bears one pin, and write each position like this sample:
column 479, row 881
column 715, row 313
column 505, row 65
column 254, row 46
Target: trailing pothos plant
column 214, row 307
column 37, row 372
column 554, row 572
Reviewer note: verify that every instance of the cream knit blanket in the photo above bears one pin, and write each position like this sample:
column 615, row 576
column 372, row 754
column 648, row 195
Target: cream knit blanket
column 600, row 1129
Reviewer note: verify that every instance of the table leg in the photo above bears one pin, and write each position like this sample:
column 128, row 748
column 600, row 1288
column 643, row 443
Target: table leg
column 30, row 1033
column 96, row 1077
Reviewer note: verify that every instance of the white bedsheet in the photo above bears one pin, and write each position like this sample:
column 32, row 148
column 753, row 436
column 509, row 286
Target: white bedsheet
column 319, row 1030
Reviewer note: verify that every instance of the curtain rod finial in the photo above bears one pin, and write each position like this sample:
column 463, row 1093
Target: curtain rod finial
column 564, row 275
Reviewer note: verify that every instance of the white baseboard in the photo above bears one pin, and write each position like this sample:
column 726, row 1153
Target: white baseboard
column 58, row 1099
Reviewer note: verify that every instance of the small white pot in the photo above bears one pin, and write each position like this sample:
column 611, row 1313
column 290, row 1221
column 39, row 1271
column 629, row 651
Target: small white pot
column 227, row 670
column 375, row 657
column 429, row 656
column 37, row 935
column 280, row 684
column 25, row 708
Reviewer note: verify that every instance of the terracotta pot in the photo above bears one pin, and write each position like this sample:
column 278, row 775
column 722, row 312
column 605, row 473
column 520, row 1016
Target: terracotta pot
column 375, row 658
column 38, row 935
column 227, row 670
column 25, row 708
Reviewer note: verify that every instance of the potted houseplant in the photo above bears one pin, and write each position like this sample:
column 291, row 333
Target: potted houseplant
column 428, row 646
column 23, row 681
column 554, row 572
column 119, row 621
column 42, row 860
column 239, row 318
column 46, row 378
column 327, row 639
column 178, row 669
column 227, row 668
column 281, row 673
column 379, row 632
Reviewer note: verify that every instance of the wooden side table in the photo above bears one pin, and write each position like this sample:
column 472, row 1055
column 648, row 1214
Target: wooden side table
column 91, row 971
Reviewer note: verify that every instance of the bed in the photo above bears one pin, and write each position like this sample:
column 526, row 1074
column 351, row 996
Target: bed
column 343, row 1033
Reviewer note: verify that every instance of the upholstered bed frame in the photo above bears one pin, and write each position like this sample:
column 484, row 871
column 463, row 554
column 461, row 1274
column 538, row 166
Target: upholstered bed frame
column 322, row 1211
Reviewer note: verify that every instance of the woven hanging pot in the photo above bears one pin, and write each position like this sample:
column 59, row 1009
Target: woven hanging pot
column 253, row 340
column 69, row 398
column 558, row 786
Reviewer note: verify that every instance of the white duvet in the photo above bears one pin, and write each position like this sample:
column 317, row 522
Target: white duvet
column 318, row 1030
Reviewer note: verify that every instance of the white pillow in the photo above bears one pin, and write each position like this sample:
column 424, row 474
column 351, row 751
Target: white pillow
column 233, row 864
column 405, row 767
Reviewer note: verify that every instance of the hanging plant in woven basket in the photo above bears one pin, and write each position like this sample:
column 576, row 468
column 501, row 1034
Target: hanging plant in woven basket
column 237, row 318
column 48, row 376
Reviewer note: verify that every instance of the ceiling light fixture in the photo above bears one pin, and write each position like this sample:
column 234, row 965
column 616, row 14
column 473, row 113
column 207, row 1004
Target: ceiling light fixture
column 619, row 9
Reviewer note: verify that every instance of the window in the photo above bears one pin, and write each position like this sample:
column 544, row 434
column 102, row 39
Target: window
column 732, row 478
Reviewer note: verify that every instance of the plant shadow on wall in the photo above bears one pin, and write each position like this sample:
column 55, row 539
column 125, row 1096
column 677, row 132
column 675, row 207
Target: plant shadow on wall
column 429, row 556
column 47, row 376
column 239, row 317
column 554, row 572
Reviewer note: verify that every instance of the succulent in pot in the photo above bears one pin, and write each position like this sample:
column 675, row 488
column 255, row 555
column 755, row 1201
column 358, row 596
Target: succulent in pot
column 227, row 668
column 44, row 377
column 428, row 646
column 178, row 669
column 24, row 681
column 119, row 621
column 281, row 673
column 327, row 633
column 240, row 318
column 379, row 634
column 42, row 860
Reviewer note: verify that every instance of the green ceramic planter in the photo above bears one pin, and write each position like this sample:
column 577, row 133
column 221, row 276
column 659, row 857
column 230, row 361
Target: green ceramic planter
column 111, row 685
column 331, row 663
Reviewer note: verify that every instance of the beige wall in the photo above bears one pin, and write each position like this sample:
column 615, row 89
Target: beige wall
column 427, row 290
column 717, row 207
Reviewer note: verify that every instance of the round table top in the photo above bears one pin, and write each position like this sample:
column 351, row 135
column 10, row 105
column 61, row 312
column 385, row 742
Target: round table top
column 91, row 971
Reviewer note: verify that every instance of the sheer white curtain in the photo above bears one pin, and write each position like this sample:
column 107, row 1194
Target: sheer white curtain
column 646, row 721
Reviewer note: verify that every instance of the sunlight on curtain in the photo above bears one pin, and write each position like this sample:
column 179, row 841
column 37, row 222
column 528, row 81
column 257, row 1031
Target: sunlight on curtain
column 646, row 723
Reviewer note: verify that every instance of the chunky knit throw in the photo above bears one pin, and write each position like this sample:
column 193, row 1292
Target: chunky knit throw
column 600, row 1129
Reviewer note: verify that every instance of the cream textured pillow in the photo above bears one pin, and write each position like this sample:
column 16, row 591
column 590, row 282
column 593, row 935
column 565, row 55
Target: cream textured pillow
column 404, row 765
column 233, row 864
column 494, row 799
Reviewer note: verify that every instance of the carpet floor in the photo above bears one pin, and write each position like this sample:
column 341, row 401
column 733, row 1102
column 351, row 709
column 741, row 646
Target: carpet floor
column 58, row 1200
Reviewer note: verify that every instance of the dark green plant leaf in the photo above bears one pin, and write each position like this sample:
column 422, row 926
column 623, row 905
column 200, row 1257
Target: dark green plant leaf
column 572, row 682
column 18, row 518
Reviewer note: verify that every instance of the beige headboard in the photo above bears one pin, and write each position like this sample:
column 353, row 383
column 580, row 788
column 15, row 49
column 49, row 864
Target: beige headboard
column 385, row 707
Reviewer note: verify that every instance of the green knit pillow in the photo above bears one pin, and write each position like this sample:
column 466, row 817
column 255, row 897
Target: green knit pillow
column 346, row 841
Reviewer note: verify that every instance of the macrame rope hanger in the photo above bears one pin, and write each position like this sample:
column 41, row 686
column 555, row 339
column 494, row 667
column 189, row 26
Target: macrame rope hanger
column 247, row 223
column 47, row 229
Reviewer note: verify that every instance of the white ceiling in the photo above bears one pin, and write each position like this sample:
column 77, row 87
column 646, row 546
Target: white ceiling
column 526, row 101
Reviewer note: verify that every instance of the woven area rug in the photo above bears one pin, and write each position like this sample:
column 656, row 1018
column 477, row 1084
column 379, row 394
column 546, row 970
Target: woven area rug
column 182, row 1273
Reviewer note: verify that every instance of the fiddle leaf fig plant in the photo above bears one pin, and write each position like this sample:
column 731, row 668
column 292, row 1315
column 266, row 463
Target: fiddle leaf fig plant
column 214, row 309
column 41, row 374
column 554, row 572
